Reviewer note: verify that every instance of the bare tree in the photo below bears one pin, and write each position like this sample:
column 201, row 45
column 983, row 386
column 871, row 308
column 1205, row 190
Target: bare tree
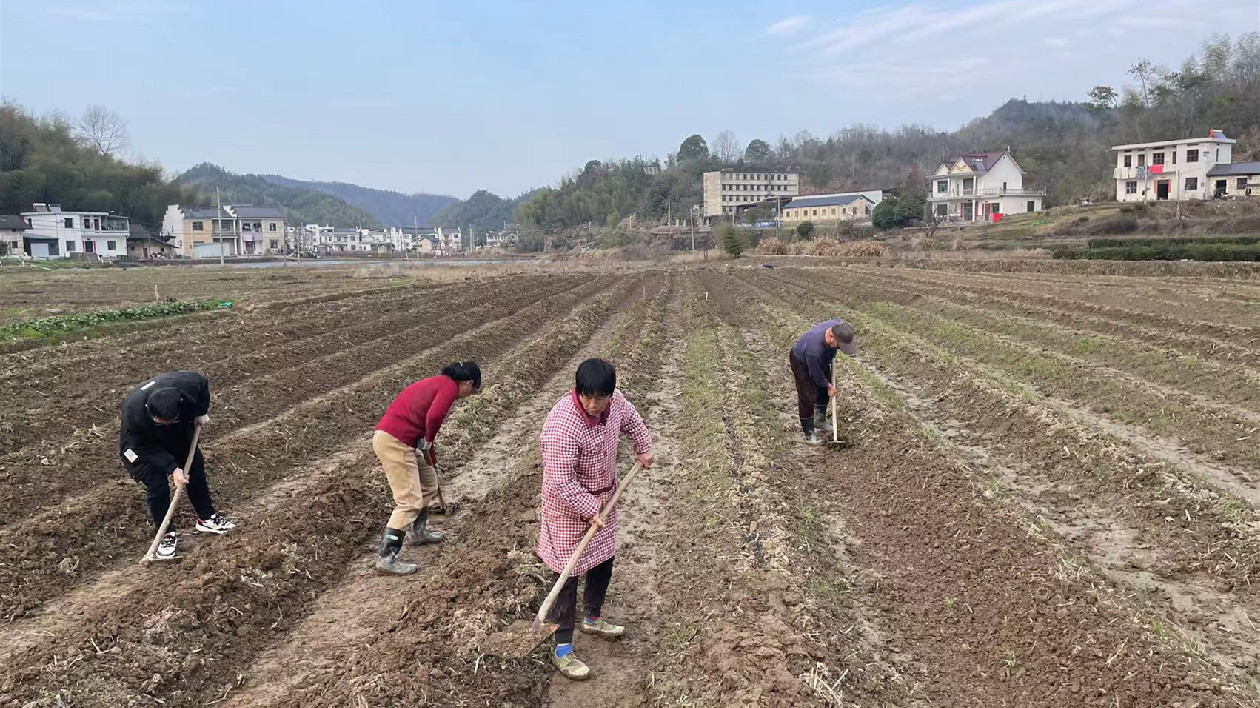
column 103, row 129
column 727, row 147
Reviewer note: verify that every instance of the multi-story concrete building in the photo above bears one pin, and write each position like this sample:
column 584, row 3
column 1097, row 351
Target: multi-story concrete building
column 824, row 209
column 1172, row 169
column 57, row 233
column 201, row 232
column 726, row 190
column 978, row 186
column 261, row 227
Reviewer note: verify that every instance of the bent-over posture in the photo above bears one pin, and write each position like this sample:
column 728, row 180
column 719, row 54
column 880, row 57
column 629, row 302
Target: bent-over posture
column 811, row 360
column 409, row 426
column 158, row 420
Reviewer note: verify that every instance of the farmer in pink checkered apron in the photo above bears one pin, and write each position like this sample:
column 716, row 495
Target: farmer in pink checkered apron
column 579, row 450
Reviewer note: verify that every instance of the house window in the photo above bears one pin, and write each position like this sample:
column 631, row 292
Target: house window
column 868, row 210
column 1003, row 186
column 1032, row 206
column 69, row 221
column 1242, row 183
column 1192, row 183
column 1157, row 158
column 1192, row 155
column 941, row 209
column 1174, row 156
column 199, row 226
column 69, row 246
column 942, row 186
column 815, row 212
column 833, row 211
column 1142, row 160
column 111, row 245
column 1130, row 187
column 1128, row 160
column 274, row 243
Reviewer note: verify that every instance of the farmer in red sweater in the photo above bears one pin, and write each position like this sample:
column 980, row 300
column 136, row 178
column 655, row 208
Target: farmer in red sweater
column 410, row 425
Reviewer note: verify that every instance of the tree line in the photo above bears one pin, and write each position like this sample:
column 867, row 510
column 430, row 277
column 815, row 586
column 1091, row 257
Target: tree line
column 76, row 163
column 1062, row 146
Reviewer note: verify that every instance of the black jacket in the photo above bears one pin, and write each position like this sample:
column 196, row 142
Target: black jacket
column 163, row 447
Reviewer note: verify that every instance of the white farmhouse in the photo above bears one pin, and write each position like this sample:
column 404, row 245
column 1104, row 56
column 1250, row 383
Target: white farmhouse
column 976, row 186
column 56, row 233
column 1174, row 169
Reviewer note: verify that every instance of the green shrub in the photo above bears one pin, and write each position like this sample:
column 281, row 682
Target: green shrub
column 50, row 326
column 805, row 229
column 729, row 240
column 1164, row 242
column 1164, row 252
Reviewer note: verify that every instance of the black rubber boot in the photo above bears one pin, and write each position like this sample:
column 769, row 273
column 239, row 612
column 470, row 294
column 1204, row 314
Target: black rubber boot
column 822, row 419
column 388, row 563
column 811, row 435
column 420, row 533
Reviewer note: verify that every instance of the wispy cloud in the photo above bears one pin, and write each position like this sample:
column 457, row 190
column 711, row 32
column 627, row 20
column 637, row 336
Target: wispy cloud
column 788, row 26
column 79, row 13
column 120, row 10
column 915, row 23
column 930, row 49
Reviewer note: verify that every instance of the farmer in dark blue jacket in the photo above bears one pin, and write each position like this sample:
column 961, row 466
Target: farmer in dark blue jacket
column 158, row 420
column 811, row 360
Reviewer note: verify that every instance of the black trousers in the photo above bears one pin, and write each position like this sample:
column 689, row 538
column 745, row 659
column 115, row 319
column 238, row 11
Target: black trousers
column 808, row 394
column 158, row 488
column 564, row 612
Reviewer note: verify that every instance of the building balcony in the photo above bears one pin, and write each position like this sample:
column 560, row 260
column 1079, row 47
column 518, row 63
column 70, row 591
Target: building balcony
column 1133, row 172
column 985, row 194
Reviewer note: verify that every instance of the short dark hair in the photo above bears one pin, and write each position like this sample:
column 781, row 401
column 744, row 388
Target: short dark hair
column 464, row 371
column 595, row 377
column 164, row 403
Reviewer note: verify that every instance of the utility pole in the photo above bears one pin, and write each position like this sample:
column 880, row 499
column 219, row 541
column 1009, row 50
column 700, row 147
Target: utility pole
column 218, row 219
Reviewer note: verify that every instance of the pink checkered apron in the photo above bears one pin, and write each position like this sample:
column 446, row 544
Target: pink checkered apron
column 579, row 477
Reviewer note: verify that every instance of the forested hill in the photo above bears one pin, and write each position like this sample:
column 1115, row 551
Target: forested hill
column 483, row 211
column 47, row 159
column 1062, row 146
column 390, row 208
column 301, row 206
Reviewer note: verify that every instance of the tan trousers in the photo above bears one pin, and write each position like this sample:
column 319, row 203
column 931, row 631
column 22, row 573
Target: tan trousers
column 413, row 481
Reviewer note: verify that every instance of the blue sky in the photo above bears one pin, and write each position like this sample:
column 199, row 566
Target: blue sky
column 451, row 97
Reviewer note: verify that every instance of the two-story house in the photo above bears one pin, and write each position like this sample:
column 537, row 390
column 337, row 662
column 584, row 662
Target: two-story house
column 201, row 232
column 1172, row 169
column 57, row 233
column 449, row 240
column 977, row 186
column 261, row 228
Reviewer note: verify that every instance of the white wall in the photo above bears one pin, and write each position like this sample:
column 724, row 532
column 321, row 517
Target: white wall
column 1004, row 171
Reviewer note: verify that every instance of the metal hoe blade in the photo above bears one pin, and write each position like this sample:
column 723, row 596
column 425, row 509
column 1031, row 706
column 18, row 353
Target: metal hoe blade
column 518, row 639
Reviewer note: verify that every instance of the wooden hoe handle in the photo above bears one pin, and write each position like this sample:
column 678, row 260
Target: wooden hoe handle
column 577, row 554
column 170, row 511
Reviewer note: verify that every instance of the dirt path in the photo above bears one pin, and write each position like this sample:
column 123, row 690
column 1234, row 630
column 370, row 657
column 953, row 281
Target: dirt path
column 364, row 604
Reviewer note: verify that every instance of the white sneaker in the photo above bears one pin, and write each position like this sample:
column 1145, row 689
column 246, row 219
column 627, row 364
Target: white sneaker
column 166, row 547
column 215, row 524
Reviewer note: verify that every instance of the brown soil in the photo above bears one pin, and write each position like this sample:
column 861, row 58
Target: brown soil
column 974, row 542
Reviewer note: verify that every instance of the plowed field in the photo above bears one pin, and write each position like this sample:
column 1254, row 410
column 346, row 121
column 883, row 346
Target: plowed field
column 1047, row 496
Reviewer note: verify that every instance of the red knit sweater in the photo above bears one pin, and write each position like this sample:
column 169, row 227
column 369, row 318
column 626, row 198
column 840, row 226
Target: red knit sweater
column 419, row 410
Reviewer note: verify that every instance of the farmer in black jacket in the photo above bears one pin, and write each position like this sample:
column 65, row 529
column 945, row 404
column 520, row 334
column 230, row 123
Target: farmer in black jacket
column 158, row 420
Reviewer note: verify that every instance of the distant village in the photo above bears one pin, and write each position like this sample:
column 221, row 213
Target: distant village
column 975, row 187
